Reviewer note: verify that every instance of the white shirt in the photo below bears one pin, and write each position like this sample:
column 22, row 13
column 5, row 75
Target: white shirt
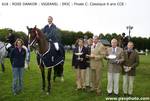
column 94, row 45
column 115, row 49
column 49, row 25
column 80, row 49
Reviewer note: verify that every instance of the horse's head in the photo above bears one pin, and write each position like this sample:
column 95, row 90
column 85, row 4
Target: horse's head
column 33, row 35
column 37, row 39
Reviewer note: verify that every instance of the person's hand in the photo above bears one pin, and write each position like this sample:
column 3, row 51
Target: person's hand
column 126, row 68
column 81, row 59
column 87, row 56
column 107, row 57
column 117, row 61
column 129, row 68
column 92, row 56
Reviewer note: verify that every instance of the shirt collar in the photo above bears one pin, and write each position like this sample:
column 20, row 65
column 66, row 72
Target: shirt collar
column 50, row 25
column 115, row 49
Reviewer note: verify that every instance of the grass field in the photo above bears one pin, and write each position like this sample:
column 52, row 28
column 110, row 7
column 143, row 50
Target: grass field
column 65, row 91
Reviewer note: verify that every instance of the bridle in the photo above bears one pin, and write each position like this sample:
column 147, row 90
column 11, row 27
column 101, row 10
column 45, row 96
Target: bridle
column 34, row 41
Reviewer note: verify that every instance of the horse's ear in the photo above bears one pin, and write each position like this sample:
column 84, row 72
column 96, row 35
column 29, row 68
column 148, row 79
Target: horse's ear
column 35, row 27
column 28, row 28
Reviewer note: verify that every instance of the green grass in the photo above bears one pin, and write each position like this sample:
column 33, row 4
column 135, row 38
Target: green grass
column 65, row 91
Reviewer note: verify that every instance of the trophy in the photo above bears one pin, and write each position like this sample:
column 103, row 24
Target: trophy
column 112, row 58
column 78, row 54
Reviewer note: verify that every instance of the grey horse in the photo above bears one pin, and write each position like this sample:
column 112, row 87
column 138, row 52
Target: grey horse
column 3, row 54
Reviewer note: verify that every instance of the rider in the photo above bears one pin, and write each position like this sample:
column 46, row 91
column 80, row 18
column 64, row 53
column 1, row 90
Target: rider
column 10, row 46
column 124, row 40
column 52, row 33
column 11, row 38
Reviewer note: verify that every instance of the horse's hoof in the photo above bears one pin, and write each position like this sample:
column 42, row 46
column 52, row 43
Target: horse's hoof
column 43, row 89
column 48, row 93
column 62, row 79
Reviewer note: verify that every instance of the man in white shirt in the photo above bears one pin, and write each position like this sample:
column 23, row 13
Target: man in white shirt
column 115, row 58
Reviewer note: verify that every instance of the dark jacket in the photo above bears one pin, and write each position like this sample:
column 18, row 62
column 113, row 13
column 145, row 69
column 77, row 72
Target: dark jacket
column 11, row 39
column 131, row 60
column 18, row 58
column 88, row 48
column 52, row 33
column 77, row 63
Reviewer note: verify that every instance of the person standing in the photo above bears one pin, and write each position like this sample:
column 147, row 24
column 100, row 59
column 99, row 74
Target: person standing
column 18, row 55
column 88, row 69
column 115, row 58
column 79, row 63
column 129, row 68
column 96, row 63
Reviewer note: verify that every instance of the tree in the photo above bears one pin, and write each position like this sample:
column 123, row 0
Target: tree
column 4, row 34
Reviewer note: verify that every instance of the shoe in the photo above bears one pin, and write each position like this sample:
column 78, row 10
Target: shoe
column 87, row 87
column 98, row 93
column 77, row 89
column 92, row 90
column 15, row 94
column 130, row 95
column 116, row 95
column 125, row 95
column 62, row 79
column 19, row 91
column 47, row 93
column 109, row 94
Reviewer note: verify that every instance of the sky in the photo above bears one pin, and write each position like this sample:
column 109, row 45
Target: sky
column 96, row 19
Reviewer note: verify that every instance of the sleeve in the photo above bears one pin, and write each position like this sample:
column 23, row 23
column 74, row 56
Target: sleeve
column 12, row 53
column 25, row 52
column 85, row 53
column 102, row 53
column 136, row 61
column 121, row 60
column 55, row 35
column 106, row 54
column 44, row 29
column 73, row 58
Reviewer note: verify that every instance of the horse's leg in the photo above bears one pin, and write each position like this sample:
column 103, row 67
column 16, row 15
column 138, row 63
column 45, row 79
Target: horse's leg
column 2, row 64
column 43, row 77
column 55, row 73
column 49, row 80
column 3, row 67
column 62, row 72
column 58, row 72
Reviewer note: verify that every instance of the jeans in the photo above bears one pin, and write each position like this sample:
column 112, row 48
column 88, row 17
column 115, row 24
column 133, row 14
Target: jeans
column 17, row 79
